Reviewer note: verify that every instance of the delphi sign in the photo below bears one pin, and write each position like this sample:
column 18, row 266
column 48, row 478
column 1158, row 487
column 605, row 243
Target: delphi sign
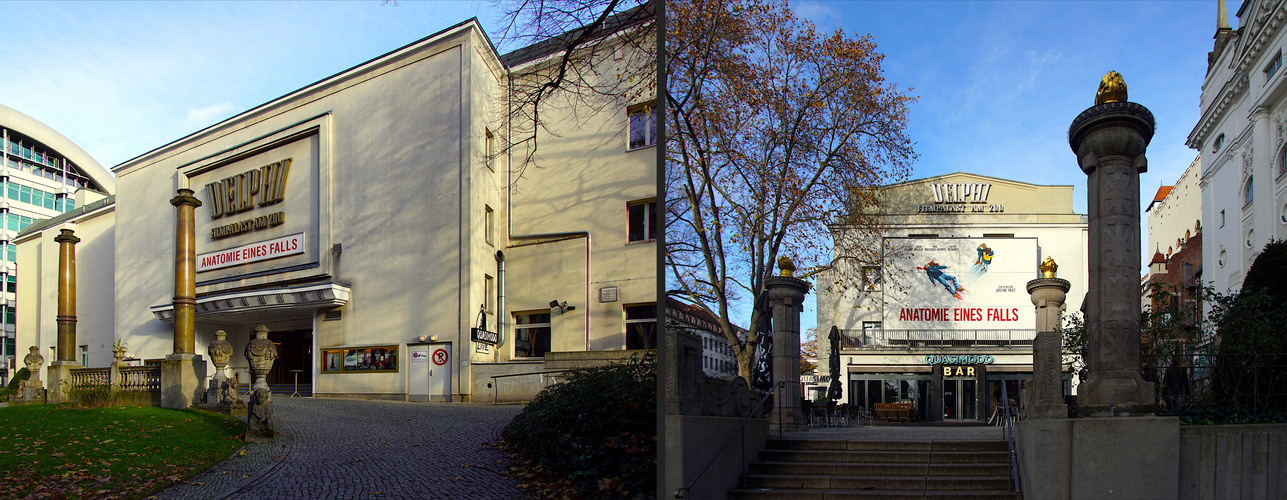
column 253, row 252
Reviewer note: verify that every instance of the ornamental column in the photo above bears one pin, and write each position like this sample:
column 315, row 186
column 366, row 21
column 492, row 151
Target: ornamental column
column 183, row 371
column 66, row 294
column 1046, row 396
column 786, row 296
column 185, row 273
column 1110, row 140
column 60, row 368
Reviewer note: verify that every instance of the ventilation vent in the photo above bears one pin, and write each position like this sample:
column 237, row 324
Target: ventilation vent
column 608, row 294
column 331, row 316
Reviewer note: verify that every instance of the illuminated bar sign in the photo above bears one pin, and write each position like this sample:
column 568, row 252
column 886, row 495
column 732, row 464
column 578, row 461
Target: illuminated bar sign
column 253, row 252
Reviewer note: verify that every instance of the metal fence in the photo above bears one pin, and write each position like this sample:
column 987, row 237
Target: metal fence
column 935, row 338
column 1257, row 382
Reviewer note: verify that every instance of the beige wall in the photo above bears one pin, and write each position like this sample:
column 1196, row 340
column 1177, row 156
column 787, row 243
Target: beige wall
column 1177, row 213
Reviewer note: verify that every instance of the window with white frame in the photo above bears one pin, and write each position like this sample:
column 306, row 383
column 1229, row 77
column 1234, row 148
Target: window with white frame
column 642, row 225
column 643, row 126
column 1248, row 194
column 641, row 326
column 871, row 277
column 531, row 334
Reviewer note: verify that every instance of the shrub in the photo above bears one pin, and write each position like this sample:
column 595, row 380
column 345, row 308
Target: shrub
column 20, row 375
column 597, row 428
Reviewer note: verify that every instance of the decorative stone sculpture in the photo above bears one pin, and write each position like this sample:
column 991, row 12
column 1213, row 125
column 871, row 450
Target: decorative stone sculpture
column 261, row 353
column 222, row 393
column 259, row 418
column 33, row 361
column 1043, row 397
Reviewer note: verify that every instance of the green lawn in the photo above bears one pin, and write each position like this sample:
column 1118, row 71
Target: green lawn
column 118, row 452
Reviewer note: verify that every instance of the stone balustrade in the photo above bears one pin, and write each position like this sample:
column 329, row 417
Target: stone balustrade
column 90, row 377
column 140, row 378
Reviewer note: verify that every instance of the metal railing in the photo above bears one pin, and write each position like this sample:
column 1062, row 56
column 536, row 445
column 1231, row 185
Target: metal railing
column 140, row 378
column 679, row 492
column 1009, row 433
column 936, row 338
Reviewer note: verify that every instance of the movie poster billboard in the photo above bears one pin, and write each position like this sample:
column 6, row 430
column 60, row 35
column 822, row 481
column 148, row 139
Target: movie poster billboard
column 959, row 283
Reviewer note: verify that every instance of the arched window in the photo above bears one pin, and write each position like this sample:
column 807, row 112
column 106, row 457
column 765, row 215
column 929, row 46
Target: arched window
column 1282, row 161
column 1247, row 193
column 1218, row 143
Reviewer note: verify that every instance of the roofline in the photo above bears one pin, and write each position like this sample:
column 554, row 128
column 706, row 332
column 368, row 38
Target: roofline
column 44, row 134
column 405, row 48
column 923, row 179
column 42, row 224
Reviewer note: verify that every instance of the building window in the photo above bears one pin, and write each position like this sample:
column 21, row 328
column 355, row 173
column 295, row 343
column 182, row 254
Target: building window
column 870, row 330
column 1247, row 193
column 489, row 294
column 11, row 253
column 531, row 334
column 1273, row 66
column 643, row 221
column 643, row 126
column 641, row 326
column 489, row 149
column 11, row 284
column 1251, row 238
column 1219, row 142
column 489, row 217
column 9, row 313
column 1224, row 257
column 1222, row 218
column 1282, row 161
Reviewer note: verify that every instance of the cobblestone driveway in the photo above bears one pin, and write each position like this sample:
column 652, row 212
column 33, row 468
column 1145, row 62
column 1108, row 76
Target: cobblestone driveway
column 355, row 449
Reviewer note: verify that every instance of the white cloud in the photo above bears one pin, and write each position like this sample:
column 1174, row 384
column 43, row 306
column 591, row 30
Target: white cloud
column 208, row 114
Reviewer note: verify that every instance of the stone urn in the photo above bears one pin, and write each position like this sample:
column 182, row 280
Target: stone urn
column 220, row 352
column 261, row 353
column 119, row 354
column 33, row 362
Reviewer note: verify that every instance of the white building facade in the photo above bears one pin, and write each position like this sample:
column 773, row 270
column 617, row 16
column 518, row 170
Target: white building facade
column 943, row 319
column 1241, row 137
column 379, row 223
column 44, row 174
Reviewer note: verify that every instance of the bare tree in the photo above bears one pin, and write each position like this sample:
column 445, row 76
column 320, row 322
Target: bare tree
column 578, row 56
column 776, row 132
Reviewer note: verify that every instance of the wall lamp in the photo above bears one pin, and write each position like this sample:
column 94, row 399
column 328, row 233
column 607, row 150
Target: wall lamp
column 563, row 306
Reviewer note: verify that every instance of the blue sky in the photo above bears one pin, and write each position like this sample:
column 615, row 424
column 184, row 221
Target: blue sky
column 122, row 78
column 999, row 82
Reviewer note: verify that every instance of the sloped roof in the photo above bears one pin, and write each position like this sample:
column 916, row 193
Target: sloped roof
column 1161, row 195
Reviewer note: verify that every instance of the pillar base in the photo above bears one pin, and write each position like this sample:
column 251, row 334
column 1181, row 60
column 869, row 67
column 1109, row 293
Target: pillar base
column 1115, row 393
column 59, row 376
column 1099, row 457
column 181, row 380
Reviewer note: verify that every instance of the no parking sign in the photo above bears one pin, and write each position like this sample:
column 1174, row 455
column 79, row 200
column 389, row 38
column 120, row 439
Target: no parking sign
column 439, row 356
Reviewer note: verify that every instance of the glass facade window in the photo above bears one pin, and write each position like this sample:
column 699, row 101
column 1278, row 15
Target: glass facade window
column 15, row 222
column 642, row 225
column 37, row 197
column 531, row 334
column 643, row 126
column 11, row 283
column 11, row 255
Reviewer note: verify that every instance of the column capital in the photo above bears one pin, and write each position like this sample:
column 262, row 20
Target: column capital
column 65, row 235
column 185, row 198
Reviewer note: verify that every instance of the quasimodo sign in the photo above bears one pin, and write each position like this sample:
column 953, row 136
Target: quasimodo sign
column 959, row 198
column 239, row 193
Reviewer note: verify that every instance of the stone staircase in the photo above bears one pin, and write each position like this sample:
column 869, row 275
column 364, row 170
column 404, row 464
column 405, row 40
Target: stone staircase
column 838, row 469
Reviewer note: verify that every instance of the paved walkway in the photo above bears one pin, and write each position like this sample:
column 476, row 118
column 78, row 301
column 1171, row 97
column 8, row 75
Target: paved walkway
column 357, row 449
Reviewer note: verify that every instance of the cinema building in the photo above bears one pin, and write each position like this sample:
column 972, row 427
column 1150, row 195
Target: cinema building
column 384, row 227
column 943, row 319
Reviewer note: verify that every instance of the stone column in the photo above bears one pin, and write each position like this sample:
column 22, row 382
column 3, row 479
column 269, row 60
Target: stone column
column 1110, row 140
column 185, row 273
column 786, row 296
column 66, row 295
column 1045, row 398
column 183, row 371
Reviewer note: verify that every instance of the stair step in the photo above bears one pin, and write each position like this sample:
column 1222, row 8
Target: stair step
column 871, row 494
column 936, row 457
column 841, row 445
column 904, row 483
column 879, row 469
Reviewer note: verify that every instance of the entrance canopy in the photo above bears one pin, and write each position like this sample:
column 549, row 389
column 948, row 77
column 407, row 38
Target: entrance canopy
column 278, row 303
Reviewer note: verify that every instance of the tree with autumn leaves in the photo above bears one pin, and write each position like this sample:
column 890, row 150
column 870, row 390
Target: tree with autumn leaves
column 775, row 131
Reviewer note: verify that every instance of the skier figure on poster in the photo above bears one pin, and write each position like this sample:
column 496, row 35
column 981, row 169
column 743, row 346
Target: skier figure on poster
column 985, row 258
column 936, row 275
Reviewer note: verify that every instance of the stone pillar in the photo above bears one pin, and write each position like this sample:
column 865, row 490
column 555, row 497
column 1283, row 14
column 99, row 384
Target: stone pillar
column 66, row 295
column 1045, row 396
column 786, row 296
column 1110, row 140
column 183, row 371
column 1263, row 172
column 185, row 273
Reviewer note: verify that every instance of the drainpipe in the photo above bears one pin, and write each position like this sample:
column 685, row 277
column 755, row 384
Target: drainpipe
column 501, row 315
column 509, row 209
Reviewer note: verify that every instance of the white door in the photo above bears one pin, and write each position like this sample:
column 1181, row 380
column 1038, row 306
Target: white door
column 418, row 373
column 440, row 372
